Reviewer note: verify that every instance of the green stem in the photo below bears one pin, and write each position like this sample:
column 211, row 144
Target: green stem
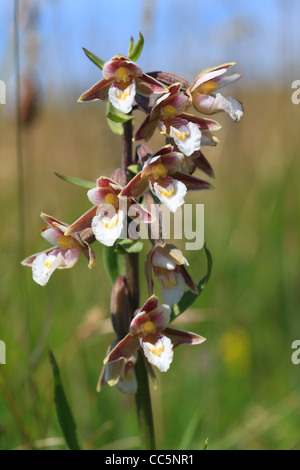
column 143, row 406
column 142, row 397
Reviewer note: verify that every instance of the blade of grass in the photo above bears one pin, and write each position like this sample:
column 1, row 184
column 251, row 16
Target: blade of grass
column 63, row 410
column 190, row 430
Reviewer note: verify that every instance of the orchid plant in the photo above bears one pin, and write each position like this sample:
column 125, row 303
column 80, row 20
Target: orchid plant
column 145, row 180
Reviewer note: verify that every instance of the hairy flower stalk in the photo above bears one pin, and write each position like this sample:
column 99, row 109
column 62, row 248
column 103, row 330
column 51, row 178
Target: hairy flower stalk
column 144, row 340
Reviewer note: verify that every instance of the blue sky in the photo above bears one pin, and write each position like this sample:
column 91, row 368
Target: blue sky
column 180, row 36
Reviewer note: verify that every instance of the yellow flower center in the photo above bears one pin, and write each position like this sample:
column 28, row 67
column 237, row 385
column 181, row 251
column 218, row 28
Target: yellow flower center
column 167, row 112
column 159, row 171
column 49, row 262
column 67, row 243
column 167, row 192
column 148, row 328
column 110, row 224
column 112, row 199
column 156, row 350
column 180, row 135
column 122, row 75
column 122, row 95
column 207, row 87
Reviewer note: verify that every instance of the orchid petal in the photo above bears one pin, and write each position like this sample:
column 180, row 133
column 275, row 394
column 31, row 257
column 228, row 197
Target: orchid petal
column 183, row 337
column 230, row 105
column 150, row 304
column 108, row 229
column 119, row 177
column 146, row 85
column 113, row 371
column 192, row 183
column 172, row 196
column 90, row 254
column 83, row 222
column 188, row 279
column 97, row 195
column 99, row 91
column 51, row 234
column 160, row 316
column 29, row 261
column 208, row 139
column 44, row 265
column 55, row 223
column 204, row 124
column 179, row 102
column 202, row 163
column 211, row 74
column 227, row 79
column 172, row 285
column 160, row 354
column 187, row 137
column 171, row 253
column 137, row 209
column 162, row 260
column 126, row 348
column 122, row 99
column 206, row 77
column 111, row 66
column 146, row 130
column 136, row 187
column 70, row 257
column 104, row 182
column 127, row 382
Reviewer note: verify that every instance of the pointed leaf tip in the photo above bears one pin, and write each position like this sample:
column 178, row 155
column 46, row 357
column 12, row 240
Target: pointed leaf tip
column 135, row 51
column 131, row 46
column 96, row 60
column 76, row 181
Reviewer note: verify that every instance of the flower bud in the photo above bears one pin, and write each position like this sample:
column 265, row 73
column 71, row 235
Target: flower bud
column 119, row 307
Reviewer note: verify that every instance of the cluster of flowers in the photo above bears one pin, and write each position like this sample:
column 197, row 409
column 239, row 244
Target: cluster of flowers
column 167, row 175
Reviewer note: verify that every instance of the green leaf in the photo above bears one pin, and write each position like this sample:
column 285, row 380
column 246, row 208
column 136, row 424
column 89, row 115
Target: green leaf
column 135, row 51
column 113, row 263
column 115, row 115
column 128, row 246
column 96, row 60
column 117, row 118
column 115, row 127
column 189, row 297
column 131, row 46
column 63, row 410
column 77, row 181
column 135, row 169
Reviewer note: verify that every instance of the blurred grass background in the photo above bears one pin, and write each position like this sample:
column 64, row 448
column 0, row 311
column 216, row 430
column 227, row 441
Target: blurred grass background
column 240, row 388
